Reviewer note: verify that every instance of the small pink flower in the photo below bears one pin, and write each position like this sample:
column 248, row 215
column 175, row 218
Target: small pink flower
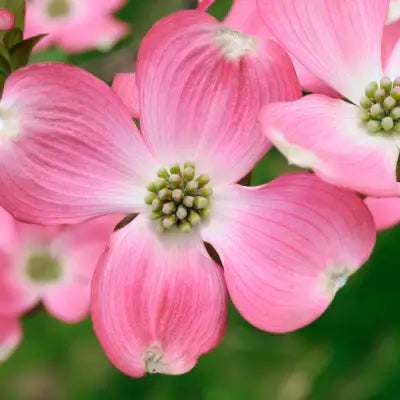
column 10, row 336
column 75, row 25
column 50, row 264
column 354, row 145
column 71, row 152
column 7, row 19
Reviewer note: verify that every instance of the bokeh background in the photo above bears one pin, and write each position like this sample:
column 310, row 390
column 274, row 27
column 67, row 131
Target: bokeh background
column 351, row 353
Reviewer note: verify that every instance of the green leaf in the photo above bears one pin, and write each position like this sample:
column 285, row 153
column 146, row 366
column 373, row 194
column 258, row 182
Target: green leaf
column 12, row 37
column 4, row 51
column 17, row 7
column 21, row 52
column 5, row 68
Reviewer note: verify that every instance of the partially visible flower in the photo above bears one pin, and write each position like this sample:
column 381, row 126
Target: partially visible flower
column 75, row 25
column 49, row 264
column 7, row 19
column 353, row 145
column 10, row 336
column 159, row 301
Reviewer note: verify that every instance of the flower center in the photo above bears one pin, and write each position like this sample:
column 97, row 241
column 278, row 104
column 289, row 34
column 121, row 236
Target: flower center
column 43, row 268
column 178, row 198
column 58, row 8
column 381, row 106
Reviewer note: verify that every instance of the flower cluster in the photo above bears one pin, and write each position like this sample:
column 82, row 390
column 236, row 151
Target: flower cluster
column 211, row 99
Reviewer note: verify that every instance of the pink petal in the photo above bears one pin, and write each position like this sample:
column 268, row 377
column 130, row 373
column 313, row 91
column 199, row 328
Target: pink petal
column 339, row 41
column 124, row 85
column 79, row 247
column 244, row 16
column 203, row 5
column 201, row 87
column 102, row 33
column 386, row 211
column 7, row 19
column 157, row 305
column 15, row 297
column 391, row 35
column 325, row 135
column 288, row 246
column 10, row 336
column 71, row 151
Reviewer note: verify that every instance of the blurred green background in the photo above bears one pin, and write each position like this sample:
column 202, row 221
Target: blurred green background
column 351, row 353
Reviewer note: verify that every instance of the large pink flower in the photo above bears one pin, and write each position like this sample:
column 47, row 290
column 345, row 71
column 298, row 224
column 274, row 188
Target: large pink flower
column 10, row 336
column 50, row 264
column 75, row 25
column 159, row 301
column 354, row 145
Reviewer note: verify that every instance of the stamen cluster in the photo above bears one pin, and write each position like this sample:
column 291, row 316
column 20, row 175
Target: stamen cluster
column 43, row 268
column 381, row 106
column 58, row 8
column 178, row 198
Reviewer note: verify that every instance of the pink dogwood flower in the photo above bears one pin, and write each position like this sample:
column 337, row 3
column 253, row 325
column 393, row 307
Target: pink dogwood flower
column 75, row 25
column 49, row 264
column 10, row 336
column 159, row 301
column 353, row 145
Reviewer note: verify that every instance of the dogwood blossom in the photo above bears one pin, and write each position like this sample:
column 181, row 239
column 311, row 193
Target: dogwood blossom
column 49, row 264
column 75, row 25
column 159, row 300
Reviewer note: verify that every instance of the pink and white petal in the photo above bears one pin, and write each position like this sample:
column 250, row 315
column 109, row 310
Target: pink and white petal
column 78, row 247
column 288, row 246
column 311, row 83
column 157, row 304
column 16, row 297
column 386, row 211
column 64, row 159
column 391, row 35
column 7, row 19
column 392, row 66
column 203, row 5
column 325, row 135
column 103, row 34
column 201, row 87
column 394, row 11
column 339, row 41
column 10, row 336
column 245, row 16
column 124, row 85
column 68, row 303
